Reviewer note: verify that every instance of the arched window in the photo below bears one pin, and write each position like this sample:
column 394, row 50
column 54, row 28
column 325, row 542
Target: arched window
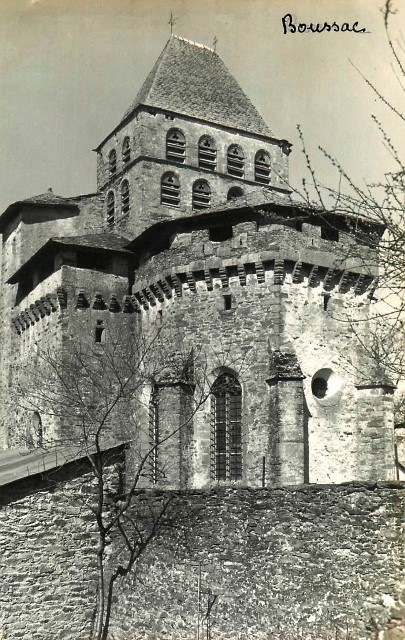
column 124, row 197
column 126, row 151
column 110, row 209
column 112, row 163
column 154, row 434
column 235, row 192
column 262, row 167
column 201, row 195
column 207, row 153
column 226, row 428
column 170, row 190
column 175, row 146
column 236, row 161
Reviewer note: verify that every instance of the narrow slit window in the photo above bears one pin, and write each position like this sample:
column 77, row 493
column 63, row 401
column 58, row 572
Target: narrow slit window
column 126, row 151
column 227, row 302
column 226, row 428
column 262, row 167
column 175, row 146
column 201, row 195
column 236, row 161
column 125, row 197
column 207, row 153
column 170, row 190
column 110, row 209
column 99, row 332
column 112, row 163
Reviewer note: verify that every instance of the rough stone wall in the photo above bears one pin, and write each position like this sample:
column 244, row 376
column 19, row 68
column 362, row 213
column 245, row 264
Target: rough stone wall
column 67, row 313
column 283, row 563
column 48, row 557
column 26, row 235
column 277, row 279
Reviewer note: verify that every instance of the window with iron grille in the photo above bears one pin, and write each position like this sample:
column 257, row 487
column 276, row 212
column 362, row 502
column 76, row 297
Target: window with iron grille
column 201, row 195
column 226, row 428
column 262, row 167
column 170, row 190
column 112, row 163
column 207, row 153
column 175, row 146
column 110, row 209
column 236, row 161
column 126, row 151
column 125, row 197
column 154, row 434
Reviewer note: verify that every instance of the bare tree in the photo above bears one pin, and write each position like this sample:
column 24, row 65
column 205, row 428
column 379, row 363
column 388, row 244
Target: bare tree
column 374, row 215
column 89, row 396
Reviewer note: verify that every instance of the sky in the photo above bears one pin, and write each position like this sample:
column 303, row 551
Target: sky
column 69, row 69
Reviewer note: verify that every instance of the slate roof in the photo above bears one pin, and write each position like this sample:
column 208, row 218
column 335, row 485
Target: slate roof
column 191, row 79
column 17, row 464
column 107, row 241
column 100, row 242
column 47, row 199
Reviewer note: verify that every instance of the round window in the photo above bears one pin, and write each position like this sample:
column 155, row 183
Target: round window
column 325, row 383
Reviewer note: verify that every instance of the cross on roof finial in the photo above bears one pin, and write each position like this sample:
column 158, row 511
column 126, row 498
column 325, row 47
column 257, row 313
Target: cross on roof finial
column 215, row 41
column 172, row 21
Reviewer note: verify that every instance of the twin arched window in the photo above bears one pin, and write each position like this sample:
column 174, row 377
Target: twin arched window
column 226, row 428
column 175, row 146
column 236, row 161
column 207, row 153
column 125, row 203
column 201, row 197
column 262, row 167
column 170, row 189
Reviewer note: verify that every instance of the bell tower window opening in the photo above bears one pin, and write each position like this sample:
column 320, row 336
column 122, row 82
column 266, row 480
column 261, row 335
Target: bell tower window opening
column 262, row 167
column 112, row 163
column 125, row 197
column 236, row 161
column 235, row 192
column 207, row 153
column 170, row 190
column 126, row 151
column 110, row 209
column 226, row 428
column 154, row 434
column 175, row 146
column 201, row 195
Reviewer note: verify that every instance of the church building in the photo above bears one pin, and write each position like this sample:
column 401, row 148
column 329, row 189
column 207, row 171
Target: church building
column 194, row 231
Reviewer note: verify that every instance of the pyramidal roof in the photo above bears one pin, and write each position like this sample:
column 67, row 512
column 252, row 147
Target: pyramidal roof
column 191, row 79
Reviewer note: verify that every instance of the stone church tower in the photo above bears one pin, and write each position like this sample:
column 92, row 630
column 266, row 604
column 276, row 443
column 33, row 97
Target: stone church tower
column 193, row 229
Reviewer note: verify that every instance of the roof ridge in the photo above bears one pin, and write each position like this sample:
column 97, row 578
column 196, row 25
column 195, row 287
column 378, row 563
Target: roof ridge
column 195, row 44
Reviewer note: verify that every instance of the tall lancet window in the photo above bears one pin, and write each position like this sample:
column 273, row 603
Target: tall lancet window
column 154, row 434
column 262, row 167
column 226, row 428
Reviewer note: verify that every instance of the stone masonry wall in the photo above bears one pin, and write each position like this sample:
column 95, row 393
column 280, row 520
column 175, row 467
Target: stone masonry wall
column 48, row 557
column 276, row 279
column 282, row 563
column 279, row 561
